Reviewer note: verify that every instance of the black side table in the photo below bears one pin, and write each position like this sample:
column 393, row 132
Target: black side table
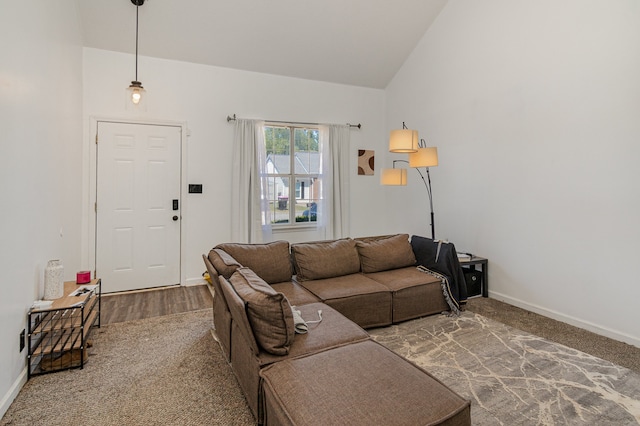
column 484, row 265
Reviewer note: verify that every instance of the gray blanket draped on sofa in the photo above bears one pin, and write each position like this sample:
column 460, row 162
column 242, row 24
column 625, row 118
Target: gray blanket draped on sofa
column 441, row 257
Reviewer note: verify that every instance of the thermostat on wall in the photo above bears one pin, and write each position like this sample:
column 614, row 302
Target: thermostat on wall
column 195, row 188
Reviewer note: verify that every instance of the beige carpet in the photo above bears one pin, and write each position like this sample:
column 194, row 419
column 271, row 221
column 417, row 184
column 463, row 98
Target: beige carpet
column 169, row 371
column 159, row 371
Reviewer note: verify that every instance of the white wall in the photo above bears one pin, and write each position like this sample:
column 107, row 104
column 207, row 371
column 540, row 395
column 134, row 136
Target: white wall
column 203, row 96
column 534, row 108
column 40, row 137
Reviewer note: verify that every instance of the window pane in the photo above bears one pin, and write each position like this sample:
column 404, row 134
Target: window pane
column 292, row 168
column 278, row 188
column 306, row 211
column 307, row 154
column 306, row 199
column 278, row 146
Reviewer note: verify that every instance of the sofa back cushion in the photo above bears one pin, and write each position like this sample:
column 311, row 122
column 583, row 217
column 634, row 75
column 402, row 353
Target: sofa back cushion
column 385, row 252
column 238, row 313
column 269, row 312
column 222, row 261
column 325, row 259
column 270, row 261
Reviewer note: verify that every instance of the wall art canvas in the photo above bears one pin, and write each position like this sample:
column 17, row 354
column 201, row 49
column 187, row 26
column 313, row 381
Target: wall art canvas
column 366, row 162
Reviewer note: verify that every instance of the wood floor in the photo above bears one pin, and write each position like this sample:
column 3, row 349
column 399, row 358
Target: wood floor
column 127, row 306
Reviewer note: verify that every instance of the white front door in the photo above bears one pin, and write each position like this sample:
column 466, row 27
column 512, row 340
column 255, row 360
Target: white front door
column 137, row 205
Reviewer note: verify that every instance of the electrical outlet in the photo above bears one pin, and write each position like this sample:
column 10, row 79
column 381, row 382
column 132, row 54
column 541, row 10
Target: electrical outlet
column 22, row 338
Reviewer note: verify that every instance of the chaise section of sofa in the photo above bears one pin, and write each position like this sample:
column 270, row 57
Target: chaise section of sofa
column 248, row 352
column 359, row 384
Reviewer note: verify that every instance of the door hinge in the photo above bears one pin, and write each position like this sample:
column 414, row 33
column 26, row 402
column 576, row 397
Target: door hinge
column 95, row 207
column 96, row 139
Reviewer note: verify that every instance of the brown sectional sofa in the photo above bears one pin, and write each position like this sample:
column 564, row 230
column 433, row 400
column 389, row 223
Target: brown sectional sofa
column 350, row 284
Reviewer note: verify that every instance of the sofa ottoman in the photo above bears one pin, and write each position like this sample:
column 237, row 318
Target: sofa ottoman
column 358, row 384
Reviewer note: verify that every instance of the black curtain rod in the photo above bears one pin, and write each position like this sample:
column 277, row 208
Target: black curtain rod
column 233, row 118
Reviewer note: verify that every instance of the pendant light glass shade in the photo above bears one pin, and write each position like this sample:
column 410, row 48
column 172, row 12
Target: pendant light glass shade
column 403, row 141
column 394, row 177
column 424, row 157
column 136, row 92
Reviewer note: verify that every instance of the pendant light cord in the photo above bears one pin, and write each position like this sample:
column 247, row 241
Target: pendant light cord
column 137, row 7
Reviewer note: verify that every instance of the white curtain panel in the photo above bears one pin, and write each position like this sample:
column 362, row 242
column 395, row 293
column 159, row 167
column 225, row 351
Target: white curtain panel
column 248, row 199
column 334, row 211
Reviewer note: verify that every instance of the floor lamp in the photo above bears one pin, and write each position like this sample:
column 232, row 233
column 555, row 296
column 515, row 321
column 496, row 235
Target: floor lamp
column 406, row 141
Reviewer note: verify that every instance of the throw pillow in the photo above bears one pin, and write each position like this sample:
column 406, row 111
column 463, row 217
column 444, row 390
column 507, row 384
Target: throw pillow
column 269, row 312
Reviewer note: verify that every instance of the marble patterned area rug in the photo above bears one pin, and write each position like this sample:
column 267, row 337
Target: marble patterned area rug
column 516, row 378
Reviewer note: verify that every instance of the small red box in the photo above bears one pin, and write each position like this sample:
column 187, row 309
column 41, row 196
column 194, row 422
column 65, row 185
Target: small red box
column 83, row 277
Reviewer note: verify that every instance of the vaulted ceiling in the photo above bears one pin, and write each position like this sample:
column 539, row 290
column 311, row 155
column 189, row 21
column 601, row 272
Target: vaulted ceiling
column 355, row 42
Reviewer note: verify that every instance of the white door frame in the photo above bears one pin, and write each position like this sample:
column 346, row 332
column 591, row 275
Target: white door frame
column 93, row 181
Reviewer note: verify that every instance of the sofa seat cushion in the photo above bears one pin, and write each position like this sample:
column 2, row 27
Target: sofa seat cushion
column 361, row 299
column 334, row 330
column 415, row 294
column 295, row 293
column 325, row 259
column 270, row 261
column 385, row 252
column 403, row 278
column 268, row 311
column 359, row 384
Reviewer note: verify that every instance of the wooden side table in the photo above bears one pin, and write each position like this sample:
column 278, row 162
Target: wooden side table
column 484, row 265
column 57, row 337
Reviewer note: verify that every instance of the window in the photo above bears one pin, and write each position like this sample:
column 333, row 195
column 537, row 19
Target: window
column 293, row 164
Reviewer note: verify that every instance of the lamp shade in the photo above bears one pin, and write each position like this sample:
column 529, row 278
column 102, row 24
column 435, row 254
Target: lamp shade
column 403, row 141
column 394, row 177
column 135, row 91
column 424, row 157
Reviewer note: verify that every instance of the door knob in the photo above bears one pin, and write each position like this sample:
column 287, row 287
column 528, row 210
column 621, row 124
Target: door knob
column 175, row 218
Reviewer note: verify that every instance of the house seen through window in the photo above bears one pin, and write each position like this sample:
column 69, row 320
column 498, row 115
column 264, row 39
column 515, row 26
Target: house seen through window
column 292, row 172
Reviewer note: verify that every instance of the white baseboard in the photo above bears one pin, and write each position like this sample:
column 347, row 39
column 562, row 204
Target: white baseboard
column 194, row 281
column 8, row 398
column 595, row 328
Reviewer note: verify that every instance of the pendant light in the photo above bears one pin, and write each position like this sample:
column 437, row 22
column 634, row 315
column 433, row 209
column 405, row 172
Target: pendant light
column 135, row 90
